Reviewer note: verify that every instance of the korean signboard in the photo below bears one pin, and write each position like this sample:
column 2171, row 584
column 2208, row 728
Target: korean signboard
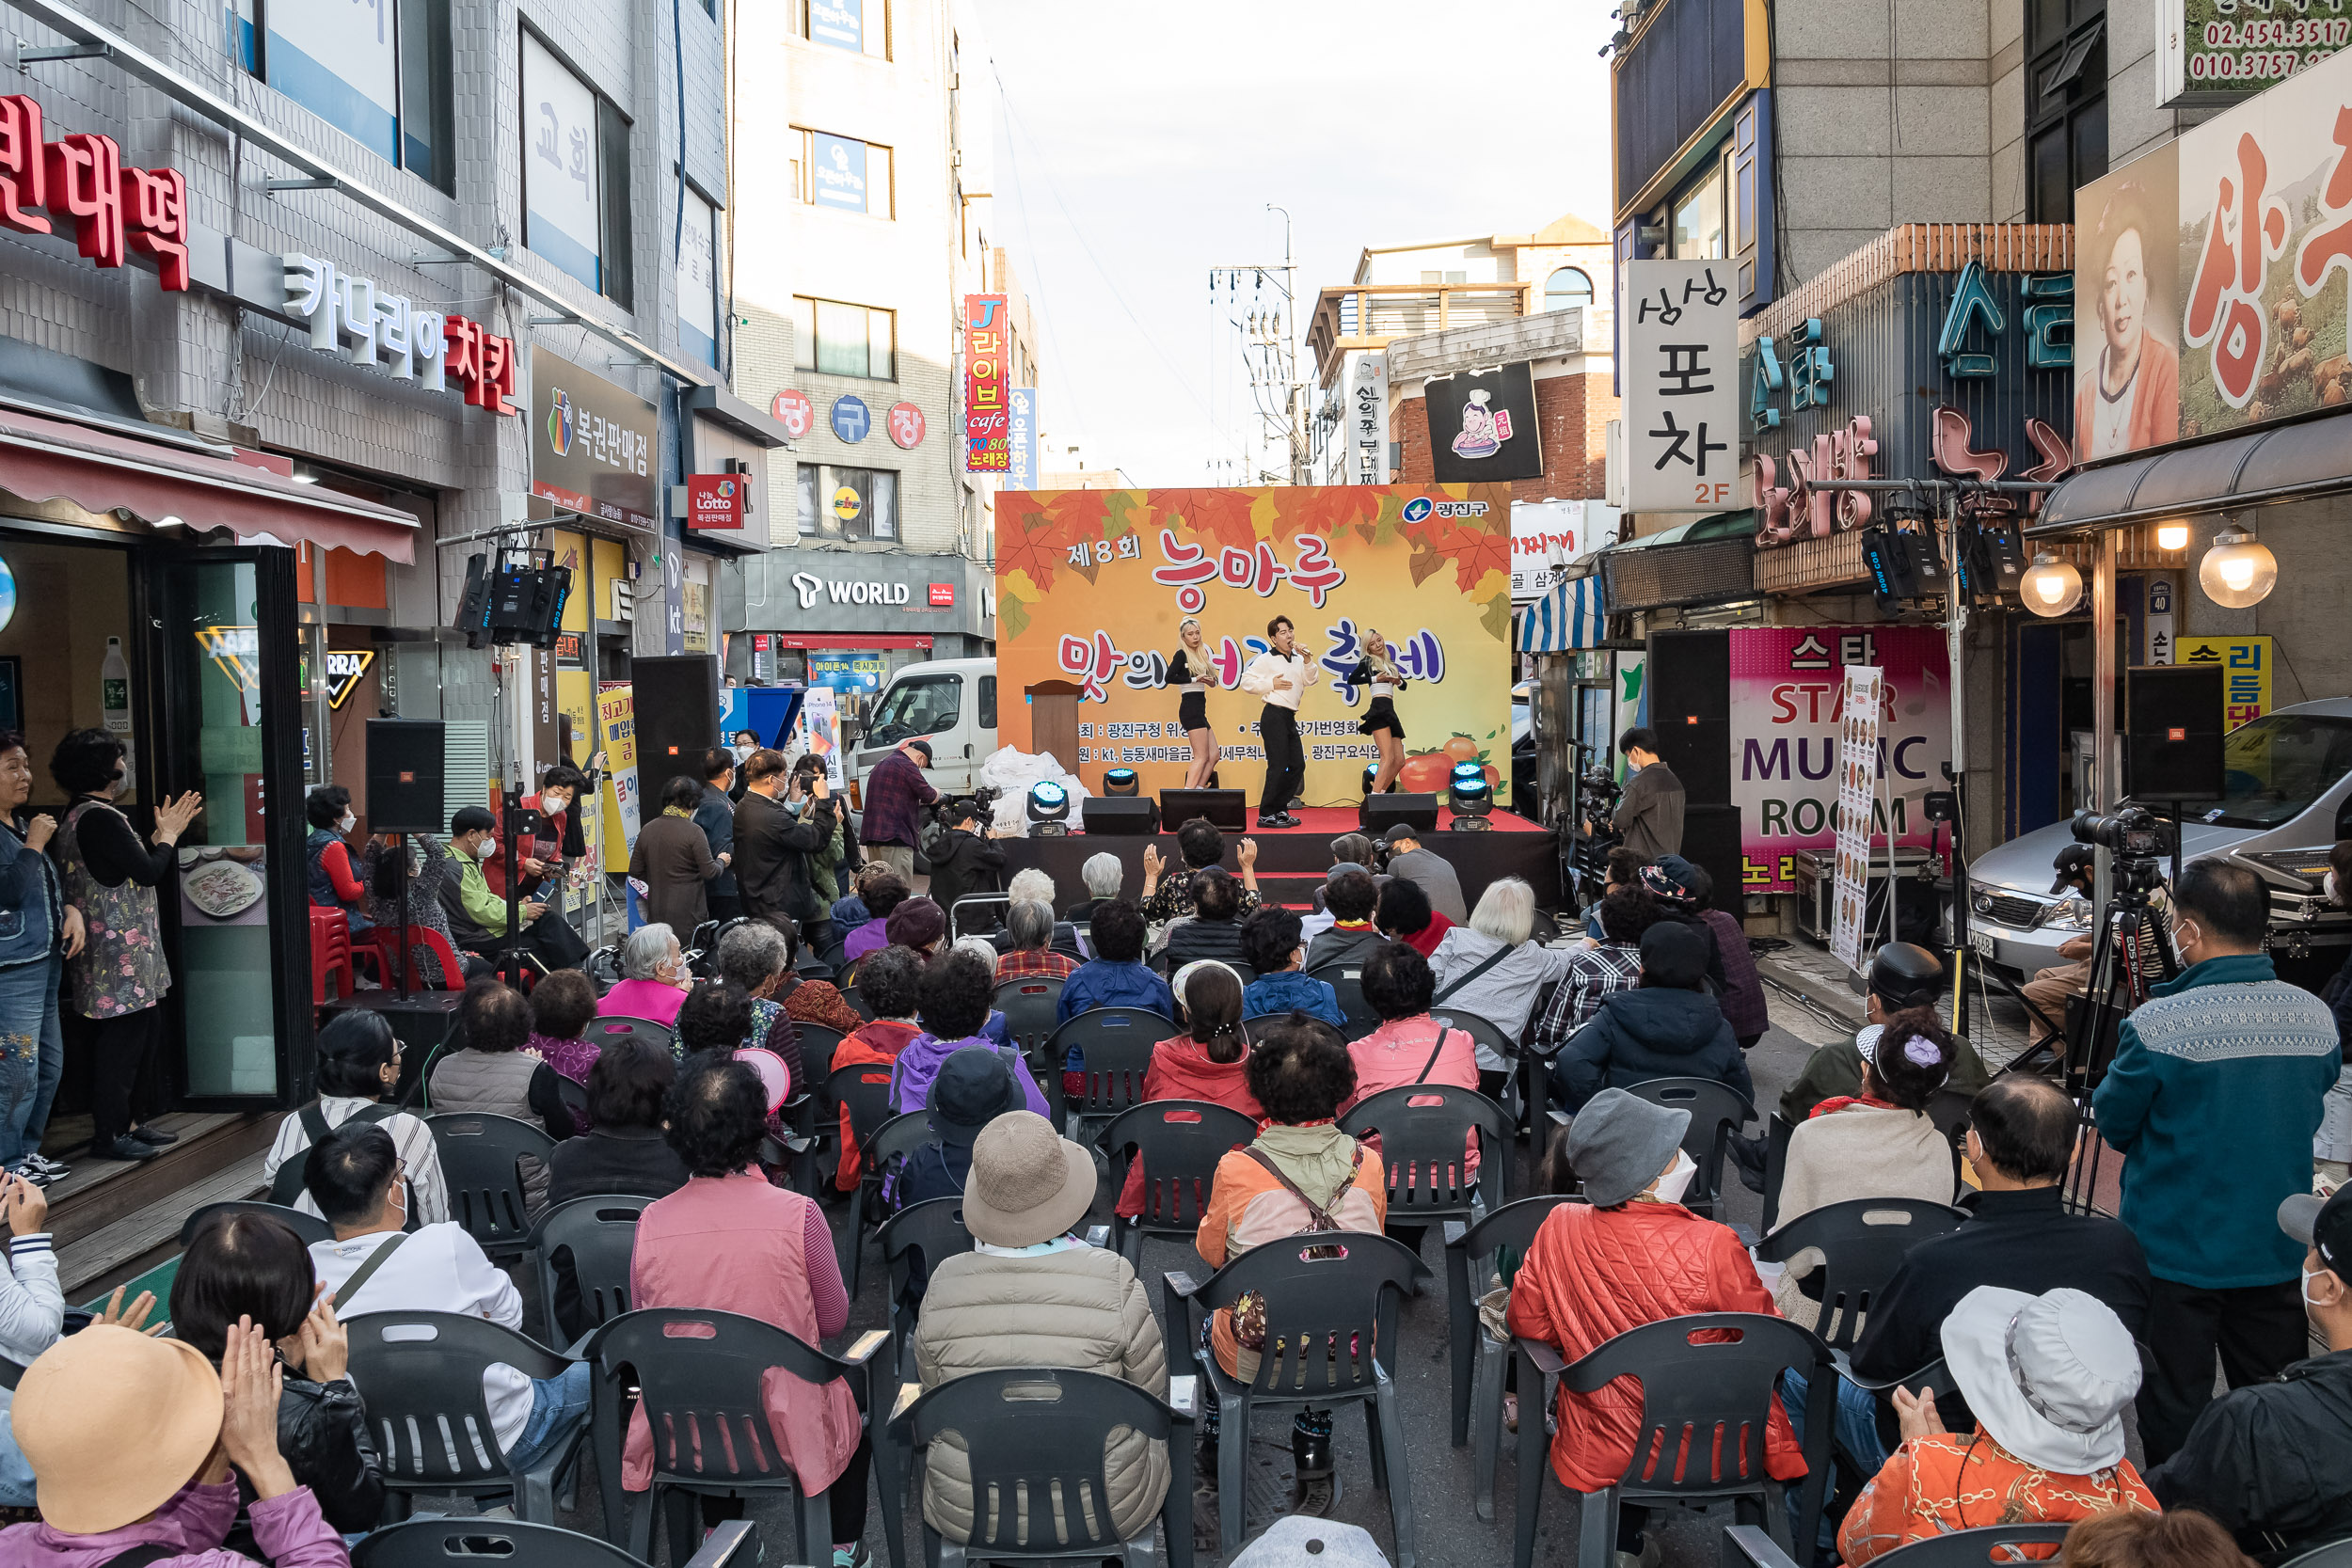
column 1368, row 421
column 616, row 734
column 2245, row 672
column 2220, row 51
column 838, row 23
column 346, row 312
column 838, row 172
column 1681, row 326
column 1482, row 427
column 561, row 219
column 111, row 208
column 1020, row 456
column 1546, row 536
column 714, row 500
column 338, row 60
column 987, row 423
column 592, row 443
column 698, row 278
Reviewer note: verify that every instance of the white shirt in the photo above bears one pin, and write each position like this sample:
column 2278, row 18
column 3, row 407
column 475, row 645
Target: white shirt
column 427, row 1189
column 438, row 1268
column 1269, row 667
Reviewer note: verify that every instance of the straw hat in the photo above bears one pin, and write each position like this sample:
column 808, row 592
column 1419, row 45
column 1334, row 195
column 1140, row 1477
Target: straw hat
column 2047, row 1375
column 1026, row 1185
column 114, row 1423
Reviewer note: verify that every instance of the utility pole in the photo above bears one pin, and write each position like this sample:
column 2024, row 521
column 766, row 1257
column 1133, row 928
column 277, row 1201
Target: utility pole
column 1265, row 325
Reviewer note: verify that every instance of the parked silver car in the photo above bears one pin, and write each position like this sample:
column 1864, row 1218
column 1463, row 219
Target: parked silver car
column 2289, row 798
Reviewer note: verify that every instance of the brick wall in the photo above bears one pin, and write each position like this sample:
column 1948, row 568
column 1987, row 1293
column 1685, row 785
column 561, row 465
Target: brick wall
column 1574, row 412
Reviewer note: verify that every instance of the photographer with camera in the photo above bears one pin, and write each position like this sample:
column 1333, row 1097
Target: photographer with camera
column 2141, row 962
column 963, row 860
column 2212, row 1099
column 775, row 835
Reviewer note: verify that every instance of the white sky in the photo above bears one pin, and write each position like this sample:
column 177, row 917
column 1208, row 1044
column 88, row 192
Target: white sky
column 1141, row 145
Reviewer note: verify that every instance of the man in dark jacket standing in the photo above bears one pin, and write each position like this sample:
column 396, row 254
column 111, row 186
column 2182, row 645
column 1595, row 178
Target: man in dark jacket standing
column 896, row 794
column 1667, row 1027
column 772, row 845
column 1650, row 816
column 714, row 813
column 964, row 861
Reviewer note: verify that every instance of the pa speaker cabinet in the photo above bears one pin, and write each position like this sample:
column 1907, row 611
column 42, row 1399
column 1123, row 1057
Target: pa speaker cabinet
column 1382, row 811
column 1228, row 809
column 1690, row 708
column 406, row 759
column 677, row 699
column 1711, row 841
column 2173, row 734
column 1122, row 816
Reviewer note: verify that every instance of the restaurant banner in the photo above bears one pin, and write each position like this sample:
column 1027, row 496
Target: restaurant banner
column 616, row 732
column 1093, row 585
column 987, row 418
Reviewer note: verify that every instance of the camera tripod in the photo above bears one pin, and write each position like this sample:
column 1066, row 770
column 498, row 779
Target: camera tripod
column 2128, row 925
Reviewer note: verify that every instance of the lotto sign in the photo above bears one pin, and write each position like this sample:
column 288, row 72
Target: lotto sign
column 714, row 500
column 2245, row 672
column 794, row 412
column 1682, row 325
column 987, row 416
column 1857, row 797
column 1093, row 585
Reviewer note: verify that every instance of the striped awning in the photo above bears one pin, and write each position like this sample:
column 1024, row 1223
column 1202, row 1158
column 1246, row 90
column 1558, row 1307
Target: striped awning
column 1569, row 617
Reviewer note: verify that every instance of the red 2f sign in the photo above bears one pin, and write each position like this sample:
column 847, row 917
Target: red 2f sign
column 987, row 423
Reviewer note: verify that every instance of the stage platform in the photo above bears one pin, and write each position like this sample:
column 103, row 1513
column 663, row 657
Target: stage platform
column 1292, row 860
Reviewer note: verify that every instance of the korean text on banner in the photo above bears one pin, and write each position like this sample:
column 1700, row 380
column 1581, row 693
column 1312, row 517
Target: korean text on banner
column 820, row 712
column 1681, row 377
column 1786, row 704
column 1093, row 585
column 1368, row 421
column 2245, row 672
column 617, row 731
column 987, row 423
column 1857, row 795
column 1020, row 456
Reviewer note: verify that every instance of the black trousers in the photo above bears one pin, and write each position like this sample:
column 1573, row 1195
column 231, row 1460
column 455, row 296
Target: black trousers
column 2257, row 1330
column 122, row 1073
column 725, row 906
column 1285, row 759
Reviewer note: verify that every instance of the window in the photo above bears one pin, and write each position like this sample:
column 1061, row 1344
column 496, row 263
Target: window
column 921, row 705
column 857, row 27
column 378, row 72
column 2066, row 104
column 866, row 502
column 988, row 702
column 843, row 174
column 834, row 339
column 1567, row 288
column 1698, row 219
column 1445, row 278
column 576, row 209
column 809, row 524
column 697, row 271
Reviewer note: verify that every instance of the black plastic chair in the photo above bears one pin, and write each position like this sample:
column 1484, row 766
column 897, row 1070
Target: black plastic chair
column 480, row 1162
column 1485, row 1032
column 1778, row 1131
column 600, row 1235
column 477, row 1543
column 1863, row 1242
column 1029, row 1005
column 1116, row 1044
column 915, row 1241
column 1347, row 981
column 1426, row 1132
column 819, row 1042
column 699, row 1376
column 895, row 1139
column 309, row 1228
column 1951, row 1111
column 1330, row 1325
column 1479, row 1358
column 609, row 1029
column 574, row 1094
column 423, row 1372
column 1256, row 1024
column 1718, row 1112
column 1179, row 1143
column 980, row 913
column 2334, row 1555
column 858, row 1004
column 1987, row 1547
column 1040, row 1433
column 1713, row 1395
column 863, row 1089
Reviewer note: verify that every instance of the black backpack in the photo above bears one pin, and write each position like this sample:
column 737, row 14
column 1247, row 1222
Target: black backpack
column 285, row 1188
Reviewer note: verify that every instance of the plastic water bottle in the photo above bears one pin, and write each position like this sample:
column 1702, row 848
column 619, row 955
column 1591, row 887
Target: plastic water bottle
column 114, row 685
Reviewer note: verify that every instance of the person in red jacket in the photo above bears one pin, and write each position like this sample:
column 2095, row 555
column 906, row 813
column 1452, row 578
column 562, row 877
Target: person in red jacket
column 1209, row 1061
column 558, row 840
column 1630, row 1255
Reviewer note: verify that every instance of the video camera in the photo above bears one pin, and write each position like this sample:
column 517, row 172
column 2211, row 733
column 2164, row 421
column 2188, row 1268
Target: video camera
column 980, row 803
column 2137, row 838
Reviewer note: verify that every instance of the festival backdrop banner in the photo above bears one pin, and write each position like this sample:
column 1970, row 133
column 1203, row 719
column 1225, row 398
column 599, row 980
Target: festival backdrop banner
column 1787, row 708
column 1091, row 585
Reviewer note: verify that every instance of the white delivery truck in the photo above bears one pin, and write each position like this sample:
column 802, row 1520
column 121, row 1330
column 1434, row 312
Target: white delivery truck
column 950, row 702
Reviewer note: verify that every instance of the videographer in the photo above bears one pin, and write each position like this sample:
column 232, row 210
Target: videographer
column 2139, row 966
column 775, row 838
column 963, row 860
column 2212, row 1099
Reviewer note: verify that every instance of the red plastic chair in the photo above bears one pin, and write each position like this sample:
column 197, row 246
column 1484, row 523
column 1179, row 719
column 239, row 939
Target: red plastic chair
column 330, row 953
column 380, row 944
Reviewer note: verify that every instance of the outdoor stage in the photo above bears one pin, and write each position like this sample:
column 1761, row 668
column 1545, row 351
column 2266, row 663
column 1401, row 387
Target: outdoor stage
column 1292, row 860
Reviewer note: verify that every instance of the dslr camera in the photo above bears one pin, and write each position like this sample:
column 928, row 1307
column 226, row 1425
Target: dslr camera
column 2136, row 836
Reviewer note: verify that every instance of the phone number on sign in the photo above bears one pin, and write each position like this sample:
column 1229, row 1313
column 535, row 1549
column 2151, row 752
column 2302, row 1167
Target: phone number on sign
column 2256, row 65
column 2303, row 33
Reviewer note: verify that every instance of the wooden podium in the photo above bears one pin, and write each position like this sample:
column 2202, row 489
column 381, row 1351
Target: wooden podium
column 1053, row 721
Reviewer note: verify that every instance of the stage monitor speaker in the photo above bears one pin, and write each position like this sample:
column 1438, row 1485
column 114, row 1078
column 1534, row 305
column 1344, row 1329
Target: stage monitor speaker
column 676, row 701
column 1690, row 709
column 1120, row 816
column 1711, row 841
column 2172, row 733
column 1228, row 809
column 406, row 760
column 1382, row 811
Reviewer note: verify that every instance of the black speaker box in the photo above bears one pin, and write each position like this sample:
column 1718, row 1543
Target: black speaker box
column 1382, row 811
column 1228, row 809
column 2172, row 733
column 676, row 699
column 1711, row 841
column 1120, row 816
column 406, row 760
column 1690, row 708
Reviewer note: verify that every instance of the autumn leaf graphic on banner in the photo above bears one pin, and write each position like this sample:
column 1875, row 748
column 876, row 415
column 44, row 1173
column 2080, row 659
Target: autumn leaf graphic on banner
column 1332, row 507
column 1030, row 554
column 1226, row 517
column 1474, row 551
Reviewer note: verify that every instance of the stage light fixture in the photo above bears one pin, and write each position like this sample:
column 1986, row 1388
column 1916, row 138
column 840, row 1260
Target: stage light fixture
column 1049, row 810
column 1119, row 781
column 2239, row 571
column 2051, row 587
column 1470, row 798
column 1372, row 771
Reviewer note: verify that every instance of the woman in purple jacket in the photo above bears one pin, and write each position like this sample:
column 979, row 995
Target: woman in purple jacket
column 953, row 1010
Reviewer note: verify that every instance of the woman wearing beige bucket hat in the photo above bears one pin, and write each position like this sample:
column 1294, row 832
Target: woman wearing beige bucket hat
column 132, row 1439
column 2047, row 1378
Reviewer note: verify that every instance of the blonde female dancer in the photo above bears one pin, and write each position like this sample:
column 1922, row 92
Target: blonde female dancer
column 1378, row 668
column 1192, row 674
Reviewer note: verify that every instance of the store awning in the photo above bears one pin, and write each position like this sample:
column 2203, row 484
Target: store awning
column 1569, row 617
column 204, row 484
column 2301, row 461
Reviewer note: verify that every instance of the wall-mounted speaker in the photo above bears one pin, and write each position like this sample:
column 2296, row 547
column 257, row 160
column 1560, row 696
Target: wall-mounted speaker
column 406, row 759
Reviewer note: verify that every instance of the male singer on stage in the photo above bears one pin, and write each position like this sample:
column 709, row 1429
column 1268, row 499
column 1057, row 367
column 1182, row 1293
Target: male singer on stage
column 1279, row 675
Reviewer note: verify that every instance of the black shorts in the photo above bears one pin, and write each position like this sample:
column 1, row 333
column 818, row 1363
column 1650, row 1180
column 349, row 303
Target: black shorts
column 1192, row 710
column 1381, row 716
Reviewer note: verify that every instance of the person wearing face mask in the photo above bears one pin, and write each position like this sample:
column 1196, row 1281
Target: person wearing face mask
column 39, row 932
column 333, row 883
column 2213, row 1100
column 2268, row 1461
column 477, row 916
column 557, row 841
column 121, row 975
column 1630, row 1255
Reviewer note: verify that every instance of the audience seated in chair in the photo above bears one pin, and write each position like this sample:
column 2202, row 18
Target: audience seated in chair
column 138, row 1443
column 973, row 1088
column 1208, row 1061
column 242, row 1265
column 1032, row 1294
column 956, row 992
column 727, row 1241
column 1169, row 891
column 1490, row 968
column 880, row 890
column 1031, row 886
column 1349, row 897
column 1214, row 930
column 1600, row 967
column 1403, row 915
column 2047, row 1378
column 1665, row 1027
column 493, row 1075
column 758, row 957
column 1411, row 1046
column 1628, row 1255
column 353, row 1177
column 891, row 983
column 1271, row 944
column 1903, row 975
column 1115, row 976
column 1350, row 852
column 562, row 1004
column 654, row 977
column 1026, row 946
column 808, row 1001
column 623, row 1152
column 920, row 927
column 358, row 1068
column 1103, row 875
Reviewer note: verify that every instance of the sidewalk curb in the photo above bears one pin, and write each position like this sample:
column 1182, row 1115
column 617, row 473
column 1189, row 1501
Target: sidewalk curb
column 1816, row 988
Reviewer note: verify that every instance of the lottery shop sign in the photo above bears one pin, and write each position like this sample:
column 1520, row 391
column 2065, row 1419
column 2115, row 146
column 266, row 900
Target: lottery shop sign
column 987, row 409
column 81, row 181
